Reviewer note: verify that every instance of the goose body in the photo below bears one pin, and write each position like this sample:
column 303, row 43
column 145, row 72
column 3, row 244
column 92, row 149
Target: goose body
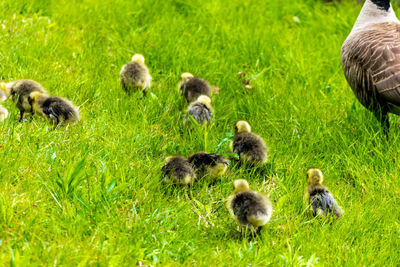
column 371, row 59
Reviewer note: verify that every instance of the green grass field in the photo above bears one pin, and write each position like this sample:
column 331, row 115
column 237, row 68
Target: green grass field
column 91, row 193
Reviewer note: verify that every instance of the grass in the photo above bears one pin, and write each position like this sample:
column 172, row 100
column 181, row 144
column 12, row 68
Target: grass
column 90, row 194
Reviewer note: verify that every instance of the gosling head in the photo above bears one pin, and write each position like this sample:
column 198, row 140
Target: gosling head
column 314, row 177
column 204, row 99
column 242, row 127
column 6, row 88
column 138, row 58
column 3, row 95
column 240, row 185
column 168, row 159
column 186, row 76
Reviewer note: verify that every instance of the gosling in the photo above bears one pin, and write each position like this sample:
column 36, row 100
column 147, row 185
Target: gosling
column 250, row 209
column 201, row 110
column 19, row 91
column 56, row 109
column 178, row 170
column 3, row 96
column 3, row 113
column 135, row 75
column 318, row 197
column 192, row 87
column 249, row 146
column 208, row 165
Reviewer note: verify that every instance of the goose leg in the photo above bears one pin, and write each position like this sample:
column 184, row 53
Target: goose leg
column 386, row 124
column 21, row 115
column 258, row 230
column 383, row 117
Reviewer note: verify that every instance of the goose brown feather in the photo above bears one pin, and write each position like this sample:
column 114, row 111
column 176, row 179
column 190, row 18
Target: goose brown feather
column 371, row 64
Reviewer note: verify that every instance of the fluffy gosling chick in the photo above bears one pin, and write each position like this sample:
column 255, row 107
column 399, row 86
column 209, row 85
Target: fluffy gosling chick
column 318, row 196
column 211, row 165
column 251, row 209
column 178, row 170
column 135, row 75
column 192, row 87
column 201, row 110
column 3, row 113
column 19, row 92
column 250, row 147
column 56, row 109
column 3, row 96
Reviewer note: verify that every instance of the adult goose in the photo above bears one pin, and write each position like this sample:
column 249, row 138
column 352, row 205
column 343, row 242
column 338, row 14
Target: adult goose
column 371, row 59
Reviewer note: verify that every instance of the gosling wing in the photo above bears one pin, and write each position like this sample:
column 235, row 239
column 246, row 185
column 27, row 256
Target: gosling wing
column 200, row 112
